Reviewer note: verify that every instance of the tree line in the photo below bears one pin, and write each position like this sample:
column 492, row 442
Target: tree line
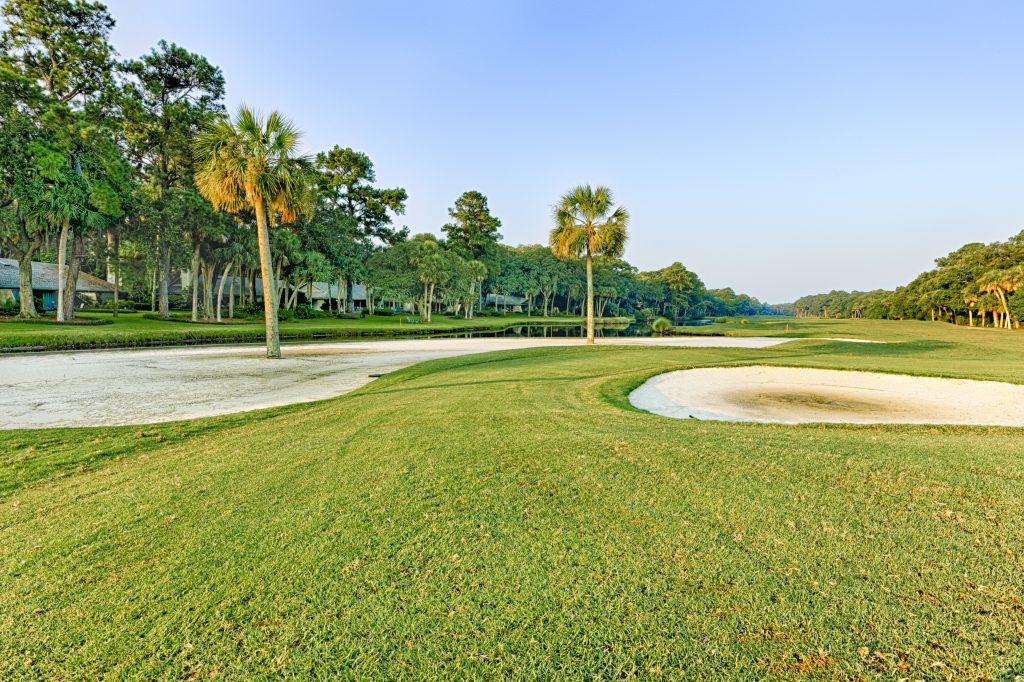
column 133, row 168
column 976, row 285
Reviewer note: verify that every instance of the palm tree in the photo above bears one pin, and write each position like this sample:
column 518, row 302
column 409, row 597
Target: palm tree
column 252, row 162
column 587, row 225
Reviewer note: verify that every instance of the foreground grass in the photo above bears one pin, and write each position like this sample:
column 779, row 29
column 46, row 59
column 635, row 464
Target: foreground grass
column 508, row 515
column 134, row 330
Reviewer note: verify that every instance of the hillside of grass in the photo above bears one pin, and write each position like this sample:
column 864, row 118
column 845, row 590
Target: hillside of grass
column 508, row 515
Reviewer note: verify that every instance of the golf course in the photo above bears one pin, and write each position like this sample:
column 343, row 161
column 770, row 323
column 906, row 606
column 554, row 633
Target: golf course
column 482, row 515
column 526, row 342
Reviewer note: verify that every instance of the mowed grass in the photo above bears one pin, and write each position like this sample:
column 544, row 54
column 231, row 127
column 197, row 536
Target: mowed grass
column 134, row 330
column 509, row 515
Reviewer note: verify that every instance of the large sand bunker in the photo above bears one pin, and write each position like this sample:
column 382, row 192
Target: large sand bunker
column 101, row 388
column 791, row 395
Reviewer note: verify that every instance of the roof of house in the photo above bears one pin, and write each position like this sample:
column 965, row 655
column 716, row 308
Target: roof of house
column 502, row 299
column 321, row 290
column 44, row 278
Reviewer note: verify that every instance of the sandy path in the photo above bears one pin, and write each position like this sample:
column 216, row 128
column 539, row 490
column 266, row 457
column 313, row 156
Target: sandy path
column 791, row 395
column 94, row 388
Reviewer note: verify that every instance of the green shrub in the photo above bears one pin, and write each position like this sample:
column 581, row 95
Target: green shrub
column 644, row 315
column 11, row 307
column 249, row 310
column 721, row 320
column 661, row 326
column 383, row 312
column 348, row 316
column 304, row 311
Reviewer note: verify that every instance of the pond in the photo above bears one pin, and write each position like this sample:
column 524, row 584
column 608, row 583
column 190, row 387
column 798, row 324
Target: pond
column 571, row 331
column 556, row 331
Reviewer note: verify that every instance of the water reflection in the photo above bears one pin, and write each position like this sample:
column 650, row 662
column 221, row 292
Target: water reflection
column 558, row 331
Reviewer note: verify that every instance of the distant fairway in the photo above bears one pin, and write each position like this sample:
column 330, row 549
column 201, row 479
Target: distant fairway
column 509, row 515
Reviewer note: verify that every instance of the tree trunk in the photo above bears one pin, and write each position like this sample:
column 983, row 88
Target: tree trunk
column 71, row 275
column 62, row 259
column 164, row 275
column 269, row 295
column 220, row 288
column 590, row 299
column 25, row 298
column 117, row 270
column 283, row 300
column 970, row 317
column 231, row 296
column 209, row 276
column 195, row 280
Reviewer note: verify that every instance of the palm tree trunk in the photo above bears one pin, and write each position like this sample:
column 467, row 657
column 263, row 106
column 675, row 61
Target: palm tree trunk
column 590, row 299
column 220, row 288
column 269, row 295
column 231, row 298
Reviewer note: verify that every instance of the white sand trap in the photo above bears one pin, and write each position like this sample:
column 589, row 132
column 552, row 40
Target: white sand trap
column 101, row 388
column 791, row 395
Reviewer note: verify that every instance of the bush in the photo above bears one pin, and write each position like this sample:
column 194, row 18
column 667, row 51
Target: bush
column 249, row 310
column 304, row 311
column 383, row 312
column 348, row 316
column 179, row 302
column 285, row 314
column 11, row 307
column 721, row 320
column 661, row 326
column 644, row 315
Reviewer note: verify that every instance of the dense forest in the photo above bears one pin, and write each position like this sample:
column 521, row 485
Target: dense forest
column 976, row 285
column 131, row 170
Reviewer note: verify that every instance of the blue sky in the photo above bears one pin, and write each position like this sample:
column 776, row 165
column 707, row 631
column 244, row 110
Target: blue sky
column 781, row 148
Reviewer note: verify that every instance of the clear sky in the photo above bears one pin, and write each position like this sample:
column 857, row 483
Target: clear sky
column 781, row 148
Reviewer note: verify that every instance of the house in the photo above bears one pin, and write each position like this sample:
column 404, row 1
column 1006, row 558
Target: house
column 324, row 295
column 90, row 290
column 512, row 304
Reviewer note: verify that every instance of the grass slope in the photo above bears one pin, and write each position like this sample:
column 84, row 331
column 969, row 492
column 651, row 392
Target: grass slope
column 134, row 330
column 508, row 515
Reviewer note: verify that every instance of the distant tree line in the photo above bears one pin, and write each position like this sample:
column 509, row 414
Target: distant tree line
column 976, row 285
column 133, row 170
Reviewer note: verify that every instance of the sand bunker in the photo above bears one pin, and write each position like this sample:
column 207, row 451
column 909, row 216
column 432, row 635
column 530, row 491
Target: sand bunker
column 99, row 388
column 794, row 395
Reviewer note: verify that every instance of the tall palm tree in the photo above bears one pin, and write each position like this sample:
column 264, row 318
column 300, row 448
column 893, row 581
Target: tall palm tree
column 252, row 162
column 587, row 225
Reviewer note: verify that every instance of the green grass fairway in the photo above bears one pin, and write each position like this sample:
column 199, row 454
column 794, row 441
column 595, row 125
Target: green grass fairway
column 509, row 516
column 135, row 330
